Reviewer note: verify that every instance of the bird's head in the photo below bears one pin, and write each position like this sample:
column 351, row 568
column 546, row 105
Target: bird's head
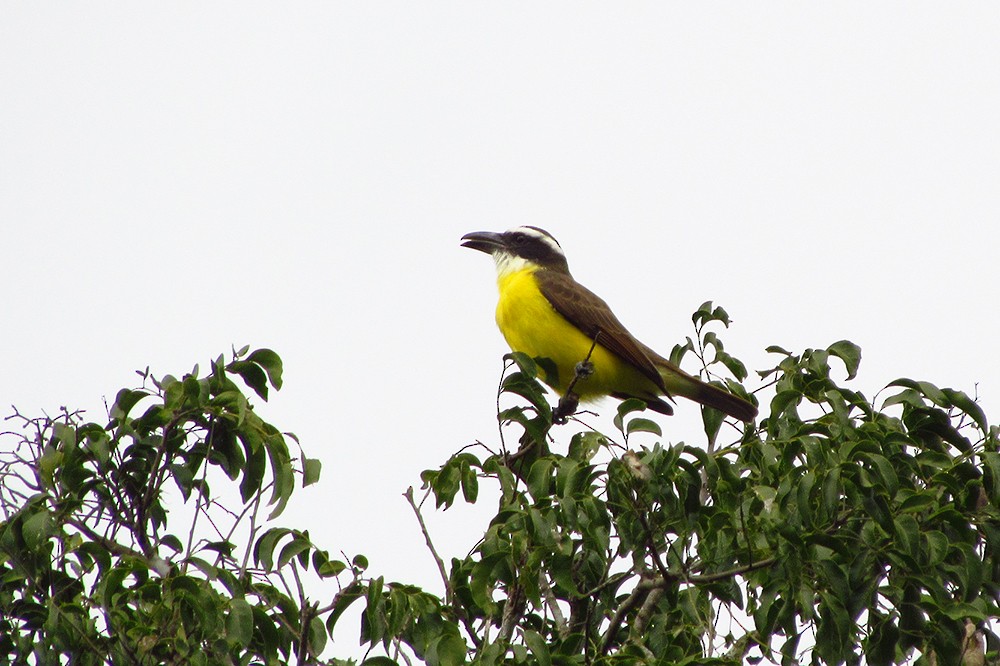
column 519, row 248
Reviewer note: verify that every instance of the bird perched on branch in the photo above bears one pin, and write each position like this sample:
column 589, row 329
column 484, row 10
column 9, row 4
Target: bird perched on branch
column 545, row 313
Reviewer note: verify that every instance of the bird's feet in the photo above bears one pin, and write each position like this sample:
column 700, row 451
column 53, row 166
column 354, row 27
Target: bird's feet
column 583, row 369
column 570, row 401
column 566, row 408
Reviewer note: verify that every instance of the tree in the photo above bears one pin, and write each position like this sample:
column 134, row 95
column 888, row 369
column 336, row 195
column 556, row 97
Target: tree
column 832, row 531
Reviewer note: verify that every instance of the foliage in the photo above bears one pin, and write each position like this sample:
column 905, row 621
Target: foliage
column 835, row 532
column 832, row 531
column 94, row 564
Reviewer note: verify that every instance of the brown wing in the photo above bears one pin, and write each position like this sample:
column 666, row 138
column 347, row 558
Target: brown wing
column 585, row 310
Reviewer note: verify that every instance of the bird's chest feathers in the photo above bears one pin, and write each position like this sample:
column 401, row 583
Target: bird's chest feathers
column 531, row 325
column 524, row 316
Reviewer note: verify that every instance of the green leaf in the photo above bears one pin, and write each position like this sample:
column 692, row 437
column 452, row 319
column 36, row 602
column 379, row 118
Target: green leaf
column 298, row 545
column 263, row 552
column 239, row 623
column 252, row 374
column 172, row 542
column 328, row 568
column 470, row 484
column 451, row 650
column 928, row 390
column 833, row 634
column 806, row 484
column 878, row 509
column 643, row 425
column 256, row 465
column 270, row 362
column 678, row 352
column 97, row 442
column 538, row 647
column 702, row 314
column 712, row 420
column 969, row 406
column 706, row 313
column 317, row 636
column 880, row 648
column 584, row 445
column 311, row 468
column 524, row 362
column 550, row 371
column 282, row 471
column 342, row 602
column 937, row 547
column 888, row 476
column 540, row 478
column 445, row 483
column 781, row 402
column 991, row 475
column 626, row 407
column 125, row 401
column 849, row 353
column 908, row 535
column 36, row 529
column 733, row 364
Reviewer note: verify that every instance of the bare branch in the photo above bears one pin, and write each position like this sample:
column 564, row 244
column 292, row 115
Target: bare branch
column 449, row 597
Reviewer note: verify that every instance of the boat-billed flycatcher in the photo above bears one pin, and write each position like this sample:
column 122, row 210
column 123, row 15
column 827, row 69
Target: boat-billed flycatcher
column 544, row 312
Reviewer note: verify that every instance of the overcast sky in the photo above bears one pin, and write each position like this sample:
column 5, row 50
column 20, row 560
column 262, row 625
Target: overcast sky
column 180, row 178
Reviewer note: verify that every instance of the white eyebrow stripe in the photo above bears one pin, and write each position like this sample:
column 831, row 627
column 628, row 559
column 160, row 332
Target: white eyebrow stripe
column 542, row 235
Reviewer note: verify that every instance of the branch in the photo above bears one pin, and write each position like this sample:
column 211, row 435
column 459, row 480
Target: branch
column 653, row 552
column 557, row 617
column 200, row 502
column 637, row 597
column 153, row 561
column 647, row 593
column 449, row 594
column 740, row 648
column 512, row 610
column 430, row 545
column 253, row 531
column 731, row 573
column 645, row 613
column 154, row 483
column 610, row 582
column 569, row 402
column 306, row 615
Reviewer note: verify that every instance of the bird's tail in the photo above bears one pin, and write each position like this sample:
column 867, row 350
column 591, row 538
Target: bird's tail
column 683, row 384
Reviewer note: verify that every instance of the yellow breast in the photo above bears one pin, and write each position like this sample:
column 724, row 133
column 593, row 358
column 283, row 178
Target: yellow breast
column 531, row 325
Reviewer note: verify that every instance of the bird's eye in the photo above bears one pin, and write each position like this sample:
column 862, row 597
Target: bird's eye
column 519, row 238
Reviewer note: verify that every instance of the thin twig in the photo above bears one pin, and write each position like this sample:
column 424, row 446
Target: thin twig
column 503, row 444
column 253, row 531
column 610, row 582
column 200, row 503
column 653, row 552
column 730, row 573
column 430, row 545
column 647, row 585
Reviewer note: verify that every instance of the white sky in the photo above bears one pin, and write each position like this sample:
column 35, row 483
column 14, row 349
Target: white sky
column 179, row 178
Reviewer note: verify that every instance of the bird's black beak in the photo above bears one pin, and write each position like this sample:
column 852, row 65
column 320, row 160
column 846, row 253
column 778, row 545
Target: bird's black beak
column 484, row 241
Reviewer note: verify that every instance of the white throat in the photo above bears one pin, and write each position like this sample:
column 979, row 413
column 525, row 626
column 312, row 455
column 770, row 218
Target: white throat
column 508, row 264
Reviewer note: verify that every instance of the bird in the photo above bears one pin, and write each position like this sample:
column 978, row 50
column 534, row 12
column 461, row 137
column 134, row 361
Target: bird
column 545, row 313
